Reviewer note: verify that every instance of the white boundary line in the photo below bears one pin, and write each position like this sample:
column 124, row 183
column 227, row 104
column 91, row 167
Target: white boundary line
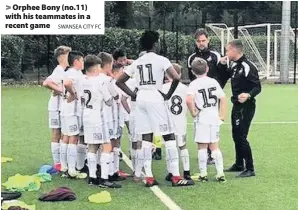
column 266, row 123
column 166, row 200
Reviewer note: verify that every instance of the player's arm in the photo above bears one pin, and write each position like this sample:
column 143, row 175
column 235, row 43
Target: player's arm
column 106, row 95
column 128, row 72
column 48, row 83
column 175, row 81
column 223, row 102
column 112, row 90
column 125, row 104
column 194, row 111
column 70, row 88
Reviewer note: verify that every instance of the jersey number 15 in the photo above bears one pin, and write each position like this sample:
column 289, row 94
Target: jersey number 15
column 210, row 96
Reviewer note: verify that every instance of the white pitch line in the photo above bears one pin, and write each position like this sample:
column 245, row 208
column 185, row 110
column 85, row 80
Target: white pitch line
column 272, row 122
column 166, row 200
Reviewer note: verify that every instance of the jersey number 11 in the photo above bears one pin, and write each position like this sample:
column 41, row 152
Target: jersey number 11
column 150, row 80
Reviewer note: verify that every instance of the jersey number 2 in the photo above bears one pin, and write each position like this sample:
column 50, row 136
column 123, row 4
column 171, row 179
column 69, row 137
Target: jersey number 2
column 150, row 80
column 210, row 96
column 88, row 106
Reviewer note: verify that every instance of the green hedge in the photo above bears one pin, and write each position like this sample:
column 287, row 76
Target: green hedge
column 12, row 49
column 35, row 53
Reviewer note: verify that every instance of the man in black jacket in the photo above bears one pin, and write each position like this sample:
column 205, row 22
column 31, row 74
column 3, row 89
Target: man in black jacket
column 245, row 87
column 216, row 64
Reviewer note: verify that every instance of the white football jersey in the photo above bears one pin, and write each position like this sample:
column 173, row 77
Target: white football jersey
column 178, row 107
column 95, row 94
column 206, row 92
column 57, row 77
column 109, row 110
column 73, row 108
column 149, row 71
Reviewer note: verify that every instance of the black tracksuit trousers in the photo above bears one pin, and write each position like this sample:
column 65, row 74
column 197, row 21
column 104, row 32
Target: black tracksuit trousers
column 242, row 115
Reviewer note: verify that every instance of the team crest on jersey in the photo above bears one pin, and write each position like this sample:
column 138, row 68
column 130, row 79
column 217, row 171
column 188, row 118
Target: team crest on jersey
column 240, row 71
column 54, row 122
column 209, row 59
column 73, row 128
column 97, row 136
column 110, row 131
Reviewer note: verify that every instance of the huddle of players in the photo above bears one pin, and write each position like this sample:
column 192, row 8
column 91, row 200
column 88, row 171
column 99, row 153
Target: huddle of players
column 93, row 102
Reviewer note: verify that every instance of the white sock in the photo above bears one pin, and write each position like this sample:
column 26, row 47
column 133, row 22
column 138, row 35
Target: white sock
column 72, row 157
column 55, row 148
column 172, row 157
column 98, row 157
column 63, row 155
column 111, row 165
column 139, row 162
column 218, row 159
column 116, row 159
column 185, row 159
column 168, row 162
column 81, row 157
column 202, row 156
column 105, row 165
column 147, row 153
column 92, row 161
column 133, row 154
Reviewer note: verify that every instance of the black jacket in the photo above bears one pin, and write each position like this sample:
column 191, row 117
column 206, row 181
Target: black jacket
column 244, row 79
column 216, row 69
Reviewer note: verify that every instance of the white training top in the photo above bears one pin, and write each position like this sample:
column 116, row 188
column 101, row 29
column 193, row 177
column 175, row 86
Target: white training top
column 206, row 92
column 149, row 71
column 57, row 77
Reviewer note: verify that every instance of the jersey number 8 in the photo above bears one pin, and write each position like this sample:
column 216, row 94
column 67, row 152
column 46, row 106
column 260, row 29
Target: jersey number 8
column 176, row 107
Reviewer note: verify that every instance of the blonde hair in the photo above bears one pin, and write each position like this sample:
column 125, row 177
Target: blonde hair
column 61, row 50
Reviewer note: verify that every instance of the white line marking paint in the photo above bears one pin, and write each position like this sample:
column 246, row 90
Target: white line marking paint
column 166, row 200
column 266, row 123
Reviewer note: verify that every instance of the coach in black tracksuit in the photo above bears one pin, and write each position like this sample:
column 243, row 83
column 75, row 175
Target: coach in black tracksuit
column 217, row 70
column 245, row 87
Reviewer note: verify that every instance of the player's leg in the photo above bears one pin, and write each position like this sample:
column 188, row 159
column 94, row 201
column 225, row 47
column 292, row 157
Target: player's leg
column 202, row 138
column 55, row 125
column 210, row 160
column 160, row 118
column 92, row 162
column 105, row 162
column 216, row 153
column 143, row 129
column 73, row 133
column 184, row 155
column 64, row 145
column 81, row 150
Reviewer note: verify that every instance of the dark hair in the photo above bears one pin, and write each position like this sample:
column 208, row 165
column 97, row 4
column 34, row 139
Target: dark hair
column 116, row 67
column 90, row 61
column 74, row 55
column 106, row 58
column 118, row 53
column 236, row 43
column 199, row 66
column 148, row 39
column 200, row 32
